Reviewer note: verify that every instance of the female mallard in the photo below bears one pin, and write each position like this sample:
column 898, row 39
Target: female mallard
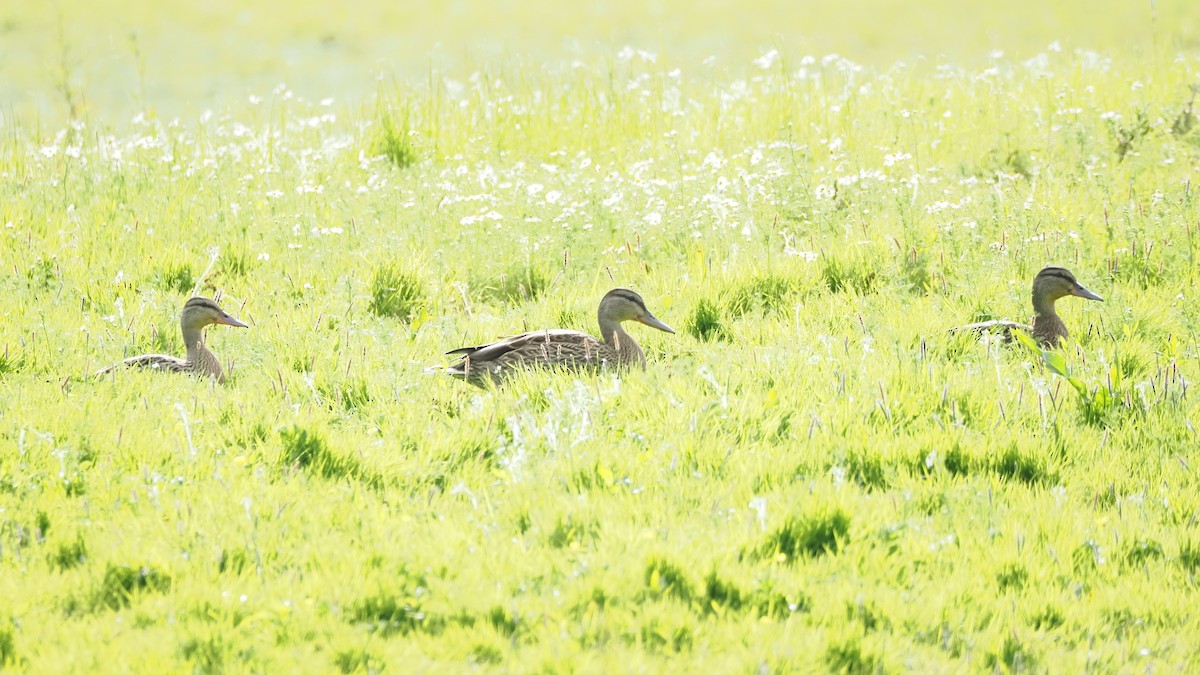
column 198, row 313
column 566, row 349
column 1048, row 329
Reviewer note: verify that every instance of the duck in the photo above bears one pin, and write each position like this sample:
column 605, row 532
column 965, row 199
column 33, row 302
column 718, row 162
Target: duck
column 1048, row 329
column 562, row 349
column 198, row 313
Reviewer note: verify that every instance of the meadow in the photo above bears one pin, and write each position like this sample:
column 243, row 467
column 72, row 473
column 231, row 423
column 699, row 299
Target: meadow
column 811, row 475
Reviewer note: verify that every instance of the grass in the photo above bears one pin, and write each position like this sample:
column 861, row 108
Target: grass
column 395, row 293
column 811, row 475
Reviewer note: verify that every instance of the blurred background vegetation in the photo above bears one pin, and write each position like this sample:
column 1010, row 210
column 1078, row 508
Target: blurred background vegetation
column 109, row 57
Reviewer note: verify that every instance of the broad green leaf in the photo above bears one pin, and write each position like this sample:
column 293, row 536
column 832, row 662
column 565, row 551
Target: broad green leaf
column 1056, row 362
column 1026, row 340
column 1079, row 385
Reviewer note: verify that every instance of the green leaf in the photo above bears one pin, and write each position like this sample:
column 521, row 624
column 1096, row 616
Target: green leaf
column 1057, row 363
column 1024, row 339
column 1080, row 387
column 1114, row 377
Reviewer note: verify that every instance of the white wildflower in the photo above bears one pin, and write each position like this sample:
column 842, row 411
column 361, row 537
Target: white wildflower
column 767, row 60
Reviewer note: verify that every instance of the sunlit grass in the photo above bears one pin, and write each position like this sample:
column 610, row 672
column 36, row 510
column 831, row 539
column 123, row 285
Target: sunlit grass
column 811, row 474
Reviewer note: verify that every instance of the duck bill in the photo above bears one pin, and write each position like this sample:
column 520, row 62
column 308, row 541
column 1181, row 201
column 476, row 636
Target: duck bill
column 227, row 320
column 1085, row 293
column 653, row 322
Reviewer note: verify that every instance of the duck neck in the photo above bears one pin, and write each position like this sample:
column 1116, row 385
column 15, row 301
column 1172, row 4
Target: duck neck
column 1048, row 328
column 623, row 343
column 1043, row 306
column 198, row 356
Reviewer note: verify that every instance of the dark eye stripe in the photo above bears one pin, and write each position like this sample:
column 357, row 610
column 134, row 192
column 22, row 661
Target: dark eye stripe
column 1058, row 272
column 202, row 302
column 628, row 295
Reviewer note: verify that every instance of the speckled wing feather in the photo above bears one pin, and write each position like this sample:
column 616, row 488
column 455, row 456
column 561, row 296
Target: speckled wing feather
column 523, row 342
column 157, row 361
column 556, row 348
column 1005, row 328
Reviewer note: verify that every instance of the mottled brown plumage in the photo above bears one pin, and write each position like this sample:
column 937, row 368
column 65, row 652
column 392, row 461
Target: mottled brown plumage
column 566, row 349
column 1048, row 329
column 197, row 314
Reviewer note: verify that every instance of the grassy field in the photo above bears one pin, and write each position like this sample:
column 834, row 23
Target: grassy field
column 811, row 475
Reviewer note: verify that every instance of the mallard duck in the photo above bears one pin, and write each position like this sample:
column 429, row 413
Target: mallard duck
column 1048, row 329
column 198, row 313
column 566, row 349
